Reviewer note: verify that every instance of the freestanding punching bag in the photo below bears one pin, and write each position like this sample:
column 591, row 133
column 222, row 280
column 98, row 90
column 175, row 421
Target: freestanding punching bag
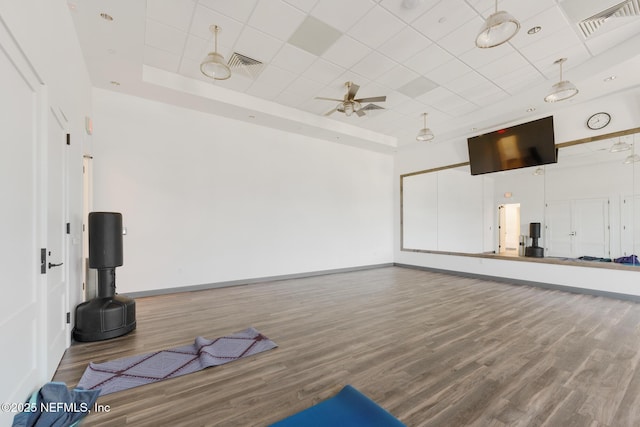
column 108, row 315
column 534, row 250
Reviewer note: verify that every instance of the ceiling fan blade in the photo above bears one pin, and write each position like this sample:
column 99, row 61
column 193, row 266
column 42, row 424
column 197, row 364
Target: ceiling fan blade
column 361, row 113
column 371, row 107
column 328, row 113
column 372, row 99
column 329, row 99
column 353, row 89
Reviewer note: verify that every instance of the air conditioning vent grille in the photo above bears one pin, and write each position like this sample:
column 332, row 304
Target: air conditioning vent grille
column 246, row 66
column 625, row 9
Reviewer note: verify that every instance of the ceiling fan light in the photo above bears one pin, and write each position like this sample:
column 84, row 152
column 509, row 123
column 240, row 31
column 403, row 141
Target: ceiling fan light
column 561, row 91
column 424, row 135
column 214, row 66
column 348, row 109
column 499, row 28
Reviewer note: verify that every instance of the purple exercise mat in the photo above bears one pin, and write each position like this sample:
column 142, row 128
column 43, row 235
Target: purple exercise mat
column 129, row 372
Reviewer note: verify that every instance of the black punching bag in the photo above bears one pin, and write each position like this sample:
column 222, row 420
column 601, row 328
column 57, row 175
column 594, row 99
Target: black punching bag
column 107, row 315
column 105, row 239
column 105, row 249
column 534, row 250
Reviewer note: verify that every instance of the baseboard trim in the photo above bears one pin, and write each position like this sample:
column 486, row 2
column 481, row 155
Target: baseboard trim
column 571, row 289
column 242, row 282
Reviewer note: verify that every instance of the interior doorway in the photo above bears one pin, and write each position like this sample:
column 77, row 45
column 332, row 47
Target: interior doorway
column 508, row 228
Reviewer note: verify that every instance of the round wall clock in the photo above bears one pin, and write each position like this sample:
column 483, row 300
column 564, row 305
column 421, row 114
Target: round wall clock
column 598, row 120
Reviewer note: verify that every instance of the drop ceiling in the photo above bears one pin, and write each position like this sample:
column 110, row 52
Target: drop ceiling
column 420, row 54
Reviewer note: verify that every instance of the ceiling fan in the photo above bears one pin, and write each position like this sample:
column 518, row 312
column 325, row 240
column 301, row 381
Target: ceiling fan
column 350, row 104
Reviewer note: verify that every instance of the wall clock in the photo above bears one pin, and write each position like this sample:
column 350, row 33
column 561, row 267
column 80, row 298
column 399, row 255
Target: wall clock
column 598, row 120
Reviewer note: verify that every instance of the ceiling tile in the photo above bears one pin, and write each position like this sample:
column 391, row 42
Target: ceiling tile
column 444, row 18
column 341, row 14
column 406, row 14
column 463, row 38
column 303, row 5
column 197, row 48
column 176, row 13
column 550, row 21
column 204, row 18
column 376, row 27
column 257, row 45
column 477, row 57
column 373, row 65
column 293, row 59
column 304, row 87
column 417, row 87
column 314, row 36
column 511, row 61
column 612, row 33
column 276, row 18
column 550, row 45
column 323, row 71
column 346, row 52
column 410, row 108
column 164, row 37
column 236, row 9
column 513, row 81
column 404, row 44
column 448, row 71
column 397, row 77
column 271, row 82
column 428, row 59
column 161, row 59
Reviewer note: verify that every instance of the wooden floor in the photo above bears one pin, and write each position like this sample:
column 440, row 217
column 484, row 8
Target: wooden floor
column 432, row 349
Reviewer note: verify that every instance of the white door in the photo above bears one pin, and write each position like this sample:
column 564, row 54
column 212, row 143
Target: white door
column 58, row 332
column 558, row 241
column 630, row 236
column 591, row 227
column 21, row 218
column 575, row 228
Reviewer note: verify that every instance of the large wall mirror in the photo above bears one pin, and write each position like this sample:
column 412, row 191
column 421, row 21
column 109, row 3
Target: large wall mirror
column 588, row 204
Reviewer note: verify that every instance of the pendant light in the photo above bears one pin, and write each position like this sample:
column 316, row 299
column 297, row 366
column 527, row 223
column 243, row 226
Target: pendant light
column 619, row 146
column 562, row 90
column 425, row 133
column 633, row 157
column 499, row 28
column 214, row 65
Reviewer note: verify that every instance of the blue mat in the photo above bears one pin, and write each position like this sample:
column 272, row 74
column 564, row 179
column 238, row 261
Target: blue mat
column 349, row 408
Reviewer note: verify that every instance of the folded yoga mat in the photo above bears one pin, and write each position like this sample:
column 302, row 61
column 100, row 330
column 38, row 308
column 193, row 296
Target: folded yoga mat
column 349, row 408
column 129, row 372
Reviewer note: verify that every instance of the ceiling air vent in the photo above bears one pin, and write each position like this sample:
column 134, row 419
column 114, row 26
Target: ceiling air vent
column 246, row 66
column 625, row 9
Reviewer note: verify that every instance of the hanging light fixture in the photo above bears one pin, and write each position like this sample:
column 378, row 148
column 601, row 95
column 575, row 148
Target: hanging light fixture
column 619, row 146
column 214, row 65
column 499, row 28
column 633, row 157
column 425, row 133
column 562, row 90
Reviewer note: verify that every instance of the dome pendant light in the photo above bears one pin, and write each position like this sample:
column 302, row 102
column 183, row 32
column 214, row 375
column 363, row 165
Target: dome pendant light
column 562, row 90
column 214, row 65
column 499, row 28
column 425, row 133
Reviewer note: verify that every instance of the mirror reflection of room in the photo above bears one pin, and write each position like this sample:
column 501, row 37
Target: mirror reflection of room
column 587, row 204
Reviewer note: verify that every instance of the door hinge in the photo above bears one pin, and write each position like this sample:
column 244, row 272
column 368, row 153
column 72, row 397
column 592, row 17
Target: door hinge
column 68, row 139
column 68, row 228
column 68, row 317
column 43, row 260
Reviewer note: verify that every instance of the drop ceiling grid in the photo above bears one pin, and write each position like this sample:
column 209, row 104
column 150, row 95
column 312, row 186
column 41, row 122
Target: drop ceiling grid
column 383, row 47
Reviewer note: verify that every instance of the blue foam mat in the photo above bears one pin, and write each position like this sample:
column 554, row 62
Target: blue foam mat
column 348, row 408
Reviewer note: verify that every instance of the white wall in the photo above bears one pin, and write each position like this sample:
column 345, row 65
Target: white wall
column 569, row 125
column 207, row 199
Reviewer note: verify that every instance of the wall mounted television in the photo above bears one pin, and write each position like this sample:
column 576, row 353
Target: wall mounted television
column 520, row 146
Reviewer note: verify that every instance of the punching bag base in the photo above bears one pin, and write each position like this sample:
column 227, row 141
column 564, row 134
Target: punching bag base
column 105, row 318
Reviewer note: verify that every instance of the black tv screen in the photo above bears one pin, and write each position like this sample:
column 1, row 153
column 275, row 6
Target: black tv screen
column 520, row 146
